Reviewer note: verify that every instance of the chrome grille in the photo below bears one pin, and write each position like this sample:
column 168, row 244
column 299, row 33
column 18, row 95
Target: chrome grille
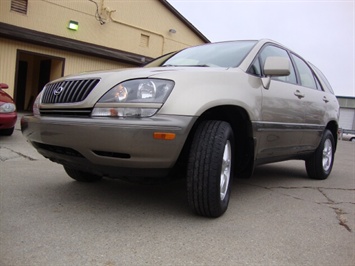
column 68, row 91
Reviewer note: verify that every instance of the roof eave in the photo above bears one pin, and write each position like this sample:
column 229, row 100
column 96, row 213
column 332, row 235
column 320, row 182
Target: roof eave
column 185, row 21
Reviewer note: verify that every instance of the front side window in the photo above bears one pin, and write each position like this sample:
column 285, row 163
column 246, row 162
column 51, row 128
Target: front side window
column 306, row 75
column 276, row 51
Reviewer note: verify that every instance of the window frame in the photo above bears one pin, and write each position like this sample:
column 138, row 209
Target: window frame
column 262, row 75
column 317, row 81
column 323, row 81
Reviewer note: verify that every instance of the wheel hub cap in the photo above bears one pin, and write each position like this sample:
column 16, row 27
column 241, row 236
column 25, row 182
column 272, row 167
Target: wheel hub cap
column 226, row 170
column 327, row 155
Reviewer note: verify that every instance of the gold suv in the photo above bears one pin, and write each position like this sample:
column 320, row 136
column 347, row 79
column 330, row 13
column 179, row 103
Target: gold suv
column 212, row 112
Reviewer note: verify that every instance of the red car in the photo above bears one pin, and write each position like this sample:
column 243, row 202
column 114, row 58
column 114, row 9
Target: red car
column 8, row 115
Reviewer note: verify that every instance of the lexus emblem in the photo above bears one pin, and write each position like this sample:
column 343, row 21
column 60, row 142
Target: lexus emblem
column 58, row 91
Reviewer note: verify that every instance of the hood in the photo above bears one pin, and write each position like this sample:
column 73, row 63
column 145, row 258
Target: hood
column 109, row 78
column 120, row 75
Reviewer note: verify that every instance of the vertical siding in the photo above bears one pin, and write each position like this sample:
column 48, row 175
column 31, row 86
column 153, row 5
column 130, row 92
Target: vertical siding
column 347, row 118
column 7, row 64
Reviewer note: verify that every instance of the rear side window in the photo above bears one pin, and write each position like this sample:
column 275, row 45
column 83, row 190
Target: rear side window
column 276, row 51
column 323, row 79
column 306, row 75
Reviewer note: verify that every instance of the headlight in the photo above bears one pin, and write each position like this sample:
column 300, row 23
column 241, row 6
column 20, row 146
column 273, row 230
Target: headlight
column 134, row 98
column 7, row 107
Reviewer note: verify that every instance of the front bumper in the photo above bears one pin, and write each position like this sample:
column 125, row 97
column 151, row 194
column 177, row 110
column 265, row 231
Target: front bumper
column 108, row 146
column 8, row 120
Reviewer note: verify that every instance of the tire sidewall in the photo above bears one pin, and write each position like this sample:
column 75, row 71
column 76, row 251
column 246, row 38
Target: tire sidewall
column 320, row 172
column 205, row 168
column 228, row 135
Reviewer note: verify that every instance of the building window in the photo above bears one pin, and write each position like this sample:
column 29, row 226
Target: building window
column 144, row 41
column 19, row 6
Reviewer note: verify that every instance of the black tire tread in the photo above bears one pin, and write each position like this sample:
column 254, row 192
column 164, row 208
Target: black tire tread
column 7, row 131
column 204, row 162
column 314, row 166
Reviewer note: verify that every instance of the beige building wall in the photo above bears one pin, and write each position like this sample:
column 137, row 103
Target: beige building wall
column 73, row 63
column 129, row 28
column 128, row 24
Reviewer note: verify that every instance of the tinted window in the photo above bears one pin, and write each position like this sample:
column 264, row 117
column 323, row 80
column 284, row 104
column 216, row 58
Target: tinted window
column 226, row 54
column 323, row 79
column 276, row 51
column 255, row 68
column 306, row 74
column 319, row 86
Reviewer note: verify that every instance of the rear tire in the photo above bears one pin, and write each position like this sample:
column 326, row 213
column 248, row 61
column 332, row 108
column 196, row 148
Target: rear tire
column 81, row 176
column 7, row 132
column 320, row 164
column 210, row 168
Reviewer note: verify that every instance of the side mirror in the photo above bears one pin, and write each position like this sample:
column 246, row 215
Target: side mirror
column 3, row 86
column 275, row 66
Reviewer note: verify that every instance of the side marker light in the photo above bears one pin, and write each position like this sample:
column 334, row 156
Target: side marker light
column 164, row 135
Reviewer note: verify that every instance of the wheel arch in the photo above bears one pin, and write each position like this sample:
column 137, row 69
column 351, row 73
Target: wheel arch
column 240, row 122
column 332, row 126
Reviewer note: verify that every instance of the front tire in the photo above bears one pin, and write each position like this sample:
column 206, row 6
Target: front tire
column 81, row 176
column 210, row 168
column 320, row 164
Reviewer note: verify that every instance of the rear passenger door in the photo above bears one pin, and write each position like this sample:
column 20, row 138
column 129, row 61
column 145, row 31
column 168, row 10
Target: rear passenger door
column 315, row 104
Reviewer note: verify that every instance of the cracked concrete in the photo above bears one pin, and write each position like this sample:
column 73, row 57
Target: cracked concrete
column 341, row 215
column 320, row 195
column 9, row 154
column 15, row 148
column 278, row 217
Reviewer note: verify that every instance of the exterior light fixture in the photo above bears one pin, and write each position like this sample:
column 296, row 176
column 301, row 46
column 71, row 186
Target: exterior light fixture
column 172, row 30
column 73, row 25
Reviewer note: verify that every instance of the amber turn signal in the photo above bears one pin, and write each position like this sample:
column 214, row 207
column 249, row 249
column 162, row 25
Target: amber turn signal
column 164, row 135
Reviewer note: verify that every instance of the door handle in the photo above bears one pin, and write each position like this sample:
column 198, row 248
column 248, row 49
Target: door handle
column 325, row 99
column 299, row 94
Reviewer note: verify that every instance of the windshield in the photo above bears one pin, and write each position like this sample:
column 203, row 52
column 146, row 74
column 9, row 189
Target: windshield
column 224, row 54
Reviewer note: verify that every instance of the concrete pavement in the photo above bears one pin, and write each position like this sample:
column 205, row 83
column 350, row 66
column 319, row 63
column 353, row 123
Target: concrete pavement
column 278, row 217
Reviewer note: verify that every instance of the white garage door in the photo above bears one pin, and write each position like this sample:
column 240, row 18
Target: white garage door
column 346, row 119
